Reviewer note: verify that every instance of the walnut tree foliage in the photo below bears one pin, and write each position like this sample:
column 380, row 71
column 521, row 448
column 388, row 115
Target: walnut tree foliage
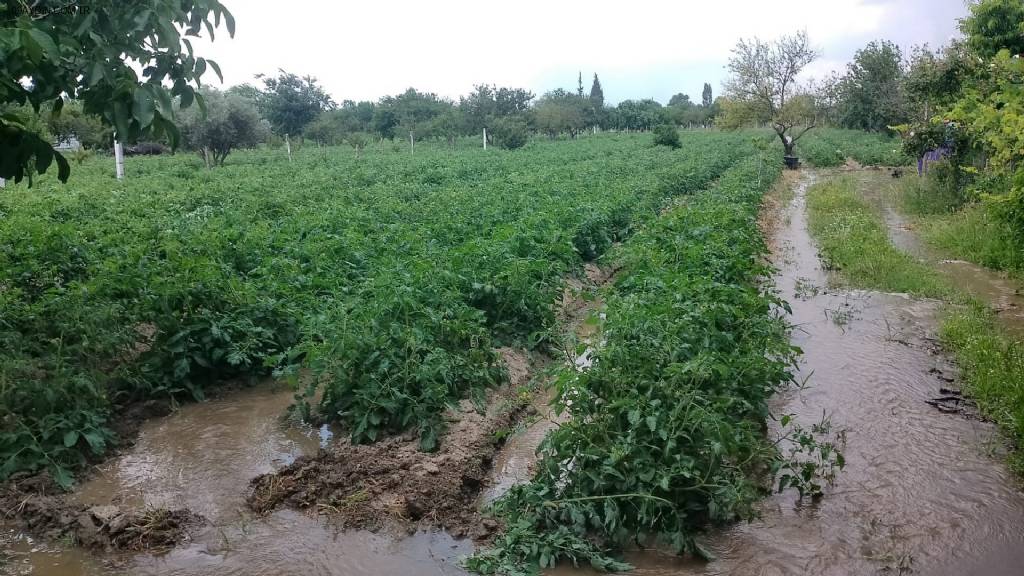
column 93, row 51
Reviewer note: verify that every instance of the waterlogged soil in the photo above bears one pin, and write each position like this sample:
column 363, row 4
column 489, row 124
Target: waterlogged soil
column 260, row 495
column 201, row 459
column 394, row 485
column 1004, row 295
column 582, row 314
column 923, row 492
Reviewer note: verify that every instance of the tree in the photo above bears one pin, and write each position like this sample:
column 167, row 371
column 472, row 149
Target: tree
column 449, row 125
column 487, row 104
column 330, row 127
column 681, row 100
column 358, row 141
column 762, row 86
column 639, row 114
column 230, row 122
column 579, row 85
column 828, row 97
column 995, row 25
column 872, row 91
column 706, row 99
column 73, row 122
column 410, row 111
column 558, row 112
column 511, row 132
column 934, row 79
column 290, row 103
column 93, row 53
column 596, row 94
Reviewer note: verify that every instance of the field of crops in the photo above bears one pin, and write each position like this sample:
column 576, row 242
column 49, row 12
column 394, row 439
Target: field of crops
column 391, row 276
column 666, row 430
column 828, row 147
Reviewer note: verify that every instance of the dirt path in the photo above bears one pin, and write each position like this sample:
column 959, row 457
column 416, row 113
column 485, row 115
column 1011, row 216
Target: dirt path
column 1004, row 295
column 921, row 493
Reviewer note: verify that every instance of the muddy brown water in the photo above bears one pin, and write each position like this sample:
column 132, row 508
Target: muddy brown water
column 922, row 492
column 202, row 457
column 1004, row 295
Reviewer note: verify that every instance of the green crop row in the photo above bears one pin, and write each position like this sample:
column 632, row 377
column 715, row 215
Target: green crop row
column 666, row 431
column 390, row 278
column 828, row 147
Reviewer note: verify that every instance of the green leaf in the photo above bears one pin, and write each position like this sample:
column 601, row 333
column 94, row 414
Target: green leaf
column 229, row 21
column 44, row 157
column 164, row 99
column 70, row 438
column 62, row 477
column 202, row 103
column 652, row 423
column 122, row 120
column 216, row 69
column 95, row 440
column 63, row 168
column 95, row 73
column 46, row 43
column 187, row 95
column 143, row 107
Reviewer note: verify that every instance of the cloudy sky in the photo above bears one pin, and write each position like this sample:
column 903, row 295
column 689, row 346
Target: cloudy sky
column 639, row 48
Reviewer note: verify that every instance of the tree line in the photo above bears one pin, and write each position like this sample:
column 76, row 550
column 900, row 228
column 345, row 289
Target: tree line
column 298, row 107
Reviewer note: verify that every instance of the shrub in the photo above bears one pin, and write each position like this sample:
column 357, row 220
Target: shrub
column 666, row 135
column 511, row 133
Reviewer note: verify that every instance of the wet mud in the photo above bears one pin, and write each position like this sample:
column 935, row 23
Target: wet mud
column 581, row 312
column 923, row 492
column 392, row 484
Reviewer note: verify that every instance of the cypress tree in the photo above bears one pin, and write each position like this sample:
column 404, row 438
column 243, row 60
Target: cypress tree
column 596, row 94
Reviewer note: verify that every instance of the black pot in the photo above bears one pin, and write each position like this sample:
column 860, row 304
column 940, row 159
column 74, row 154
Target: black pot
column 792, row 162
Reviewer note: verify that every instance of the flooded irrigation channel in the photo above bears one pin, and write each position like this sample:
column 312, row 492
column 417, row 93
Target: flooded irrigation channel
column 922, row 492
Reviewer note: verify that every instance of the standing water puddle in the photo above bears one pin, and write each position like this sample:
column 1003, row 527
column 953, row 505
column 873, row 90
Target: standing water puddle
column 202, row 457
column 919, row 494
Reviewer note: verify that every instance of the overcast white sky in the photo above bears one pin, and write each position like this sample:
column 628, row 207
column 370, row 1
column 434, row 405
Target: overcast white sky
column 639, row 48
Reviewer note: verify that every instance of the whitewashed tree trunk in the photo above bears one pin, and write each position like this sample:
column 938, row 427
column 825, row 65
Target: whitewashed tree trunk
column 118, row 160
column 412, row 144
column 485, row 138
column 288, row 147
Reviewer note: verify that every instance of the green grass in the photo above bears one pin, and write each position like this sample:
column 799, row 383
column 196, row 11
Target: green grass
column 852, row 237
column 993, row 368
column 959, row 230
column 853, row 241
